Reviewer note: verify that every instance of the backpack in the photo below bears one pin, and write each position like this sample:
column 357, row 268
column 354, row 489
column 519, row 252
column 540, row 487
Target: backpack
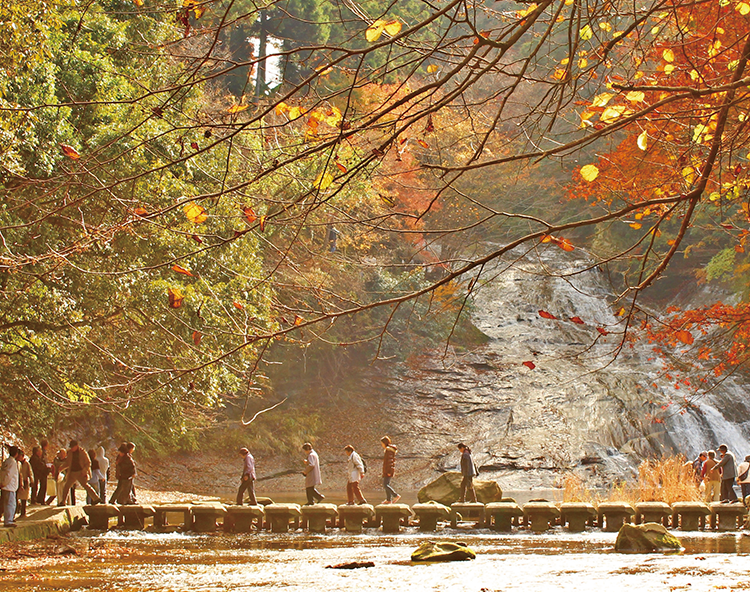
column 364, row 463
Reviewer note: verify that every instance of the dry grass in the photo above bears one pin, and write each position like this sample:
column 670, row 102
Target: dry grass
column 669, row 480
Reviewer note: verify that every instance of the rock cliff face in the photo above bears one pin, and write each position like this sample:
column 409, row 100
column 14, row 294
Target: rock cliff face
column 580, row 408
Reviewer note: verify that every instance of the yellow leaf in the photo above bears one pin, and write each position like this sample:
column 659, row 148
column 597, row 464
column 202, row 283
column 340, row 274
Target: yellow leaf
column 636, row 225
column 237, row 108
column 582, row 63
column 432, row 68
column 688, row 173
column 589, row 172
column 714, row 48
column 694, row 75
column 699, row 130
column 333, row 117
column 612, row 113
column 559, row 73
column 195, row 213
column 565, row 61
column 654, row 30
column 602, row 99
column 635, row 96
column 296, row 113
column 639, row 75
column 621, row 312
column 715, row 196
column 605, row 27
column 586, row 33
column 639, row 216
column 668, row 69
column 281, row 108
column 374, row 31
column 138, row 2
column 743, row 8
column 393, row 27
column 522, row 13
column 643, row 141
column 323, row 181
column 668, row 55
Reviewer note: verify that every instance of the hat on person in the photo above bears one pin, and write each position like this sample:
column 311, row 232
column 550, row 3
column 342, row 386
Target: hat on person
column 244, row 451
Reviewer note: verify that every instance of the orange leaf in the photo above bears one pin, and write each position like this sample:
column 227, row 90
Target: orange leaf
column 249, row 214
column 262, row 223
column 237, row 305
column 70, row 152
column 577, row 320
column 546, row 238
column 685, row 336
column 175, row 297
column 547, row 315
column 197, row 338
column 181, row 270
column 602, row 331
column 298, row 320
column 341, row 167
column 195, row 213
column 530, row 365
column 423, row 144
column 564, row 245
column 739, row 249
column 140, row 211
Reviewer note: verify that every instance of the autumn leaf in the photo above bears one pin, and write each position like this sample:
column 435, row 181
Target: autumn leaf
column 565, row 245
column 70, row 152
column 323, row 181
column 635, row 96
column 577, row 320
column 281, row 108
column 387, row 199
column 197, row 337
column 643, row 141
column 298, row 320
column 685, row 336
column 237, row 108
column 262, row 223
column 423, row 144
column 249, row 214
column 547, row 315
column 181, row 270
column 194, row 145
column 195, row 213
column 530, row 365
column 341, row 167
column 141, row 211
column 197, row 239
column 237, row 305
column 589, row 172
column 432, row 68
column 138, row 2
column 602, row 99
column 668, row 55
column 602, row 331
column 175, row 297
column 429, row 128
column 375, row 30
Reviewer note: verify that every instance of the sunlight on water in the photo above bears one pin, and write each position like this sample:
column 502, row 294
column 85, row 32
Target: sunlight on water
column 297, row 562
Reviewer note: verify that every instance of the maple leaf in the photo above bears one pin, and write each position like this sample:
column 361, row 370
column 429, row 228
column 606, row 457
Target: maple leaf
column 547, row 315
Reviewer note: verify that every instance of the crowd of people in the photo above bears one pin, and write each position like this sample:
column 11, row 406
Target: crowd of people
column 716, row 476
column 355, row 472
column 25, row 481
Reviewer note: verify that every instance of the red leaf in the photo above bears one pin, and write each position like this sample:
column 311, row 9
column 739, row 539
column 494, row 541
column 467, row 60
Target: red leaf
column 249, row 214
column 237, row 305
column 194, row 145
column 546, row 315
column 197, row 338
column 175, row 298
column 602, row 331
column 197, row 239
column 181, row 270
column 577, row 320
column 429, row 128
column 727, row 226
column 341, row 167
column 530, row 365
column 70, row 152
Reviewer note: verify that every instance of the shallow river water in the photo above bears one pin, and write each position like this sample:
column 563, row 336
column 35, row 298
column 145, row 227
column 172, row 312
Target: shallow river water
column 144, row 562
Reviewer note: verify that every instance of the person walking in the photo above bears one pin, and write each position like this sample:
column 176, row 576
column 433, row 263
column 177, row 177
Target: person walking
column 389, row 470
column 59, row 474
column 312, row 475
column 743, row 477
column 728, row 474
column 9, row 484
column 247, row 480
column 125, row 472
column 712, row 478
column 104, row 468
column 355, row 472
column 78, row 466
column 468, row 472
column 41, row 471
column 24, row 483
column 95, row 478
column 697, row 465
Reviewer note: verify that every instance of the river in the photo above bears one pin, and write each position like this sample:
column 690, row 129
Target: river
column 143, row 562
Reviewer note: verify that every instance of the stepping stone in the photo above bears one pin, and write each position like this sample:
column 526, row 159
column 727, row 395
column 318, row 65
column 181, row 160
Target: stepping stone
column 280, row 515
column 391, row 516
column 501, row 516
column 658, row 512
column 241, row 518
column 135, row 516
column 100, row 514
column 352, row 517
column 464, row 511
column 612, row 515
column 727, row 517
column 689, row 515
column 576, row 515
column 160, row 517
column 429, row 514
column 318, row 515
column 204, row 516
column 540, row 515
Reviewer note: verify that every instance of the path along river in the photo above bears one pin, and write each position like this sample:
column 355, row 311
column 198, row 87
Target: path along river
column 144, row 562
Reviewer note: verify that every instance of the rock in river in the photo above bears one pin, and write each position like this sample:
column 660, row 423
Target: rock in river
column 430, row 551
column 646, row 538
column 447, row 488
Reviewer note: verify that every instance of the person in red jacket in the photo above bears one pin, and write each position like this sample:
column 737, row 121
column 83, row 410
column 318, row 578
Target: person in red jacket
column 389, row 470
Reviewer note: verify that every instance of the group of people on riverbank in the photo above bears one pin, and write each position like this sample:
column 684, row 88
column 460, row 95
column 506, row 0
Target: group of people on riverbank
column 355, row 472
column 24, row 481
column 716, row 476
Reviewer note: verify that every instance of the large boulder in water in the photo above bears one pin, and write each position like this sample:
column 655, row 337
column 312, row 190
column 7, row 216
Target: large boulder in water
column 446, row 489
column 646, row 538
column 430, row 551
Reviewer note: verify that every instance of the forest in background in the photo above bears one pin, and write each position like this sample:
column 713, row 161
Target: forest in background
column 181, row 232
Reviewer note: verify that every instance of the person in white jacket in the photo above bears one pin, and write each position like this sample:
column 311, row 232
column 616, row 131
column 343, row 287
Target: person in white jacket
column 355, row 471
column 743, row 477
column 312, row 475
column 9, row 482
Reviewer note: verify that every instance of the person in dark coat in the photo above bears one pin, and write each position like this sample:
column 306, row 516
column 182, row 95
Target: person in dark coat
column 124, row 473
column 389, row 470
column 41, row 471
column 468, row 472
column 247, row 480
column 728, row 474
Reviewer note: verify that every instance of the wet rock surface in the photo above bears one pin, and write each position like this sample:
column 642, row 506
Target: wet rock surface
column 646, row 538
